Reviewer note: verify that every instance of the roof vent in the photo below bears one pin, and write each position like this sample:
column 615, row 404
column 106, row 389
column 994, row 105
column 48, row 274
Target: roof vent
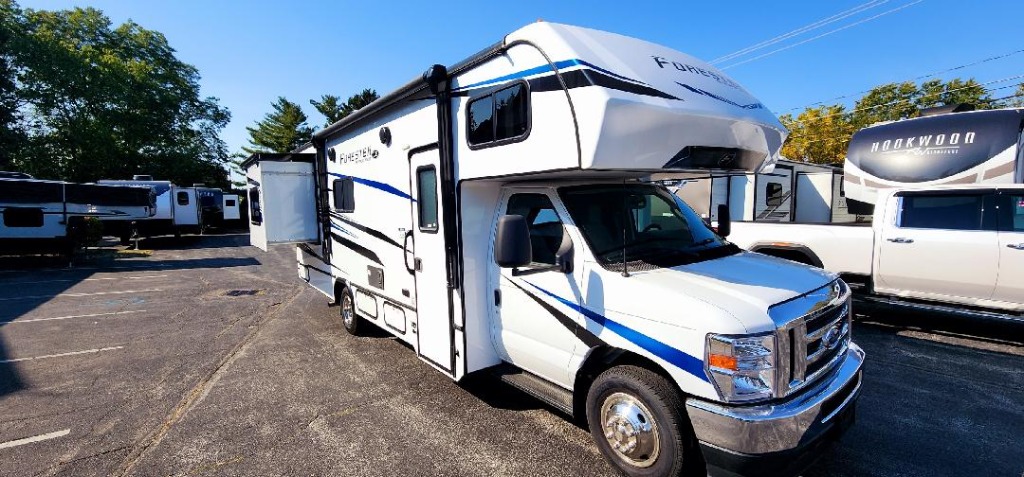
column 947, row 109
column 142, row 177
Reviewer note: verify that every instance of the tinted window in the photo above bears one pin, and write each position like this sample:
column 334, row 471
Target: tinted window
column 182, row 198
column 23, row 217
column 510, row 104
column 1011, row 213
column 344, row 195
column 255, row 212
column 500, row 116
column 481, row 121
column 426, row 184
column 950, row 212
column 545, row 226
column 229, row 203
column 773, row 194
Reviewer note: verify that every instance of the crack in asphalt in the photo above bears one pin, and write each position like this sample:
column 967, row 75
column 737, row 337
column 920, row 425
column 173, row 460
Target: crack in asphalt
column 195, row 395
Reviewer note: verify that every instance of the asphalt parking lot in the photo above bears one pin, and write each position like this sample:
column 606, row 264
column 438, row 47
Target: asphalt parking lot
column 210, row 357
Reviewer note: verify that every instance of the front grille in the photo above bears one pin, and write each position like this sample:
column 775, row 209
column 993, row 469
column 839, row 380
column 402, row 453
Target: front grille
column 813, row 344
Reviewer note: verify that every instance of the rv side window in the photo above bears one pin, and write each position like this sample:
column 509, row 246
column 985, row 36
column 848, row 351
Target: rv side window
column 255, row 211
column 773, row 194
column 426, row 185
column 344, row 195
column 947, row 212
column 23, row 217
column 499, row 118
column 229, row 203
column 545, row 226
column 182, row 198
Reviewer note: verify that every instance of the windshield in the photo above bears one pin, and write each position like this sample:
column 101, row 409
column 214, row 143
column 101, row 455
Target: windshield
column 643, row 221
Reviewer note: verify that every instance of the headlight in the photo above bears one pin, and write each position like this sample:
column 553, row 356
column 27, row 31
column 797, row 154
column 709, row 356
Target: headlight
column 742, row 368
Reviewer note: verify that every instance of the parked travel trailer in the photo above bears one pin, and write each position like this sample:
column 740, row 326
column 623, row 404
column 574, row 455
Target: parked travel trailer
column 792, row 192
column 498, row 216
column 938, row 148
column 177, row 211
column 43, row 216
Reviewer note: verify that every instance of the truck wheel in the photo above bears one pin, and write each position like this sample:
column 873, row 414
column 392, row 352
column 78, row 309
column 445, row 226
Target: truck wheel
column 349, row 319
column 637, row 419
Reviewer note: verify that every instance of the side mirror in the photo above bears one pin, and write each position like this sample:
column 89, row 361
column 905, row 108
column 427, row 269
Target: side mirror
column 564, row 255
column 724, row 221
column 512, row 242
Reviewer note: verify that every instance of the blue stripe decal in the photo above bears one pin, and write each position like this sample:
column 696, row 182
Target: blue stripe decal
column 690, row 364
column 342, row 230
column 376, row 185
column 544, row 69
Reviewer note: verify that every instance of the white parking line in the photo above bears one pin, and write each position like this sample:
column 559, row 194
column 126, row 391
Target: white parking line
column 72, row 316
column 29, row 440
column 64, row 295
column 96, row 350
column 86, row 280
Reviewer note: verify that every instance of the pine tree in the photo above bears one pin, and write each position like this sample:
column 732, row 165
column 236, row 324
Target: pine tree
column 281, row 130
column 334, row 110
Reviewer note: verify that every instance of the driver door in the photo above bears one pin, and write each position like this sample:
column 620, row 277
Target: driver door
column 531, row 328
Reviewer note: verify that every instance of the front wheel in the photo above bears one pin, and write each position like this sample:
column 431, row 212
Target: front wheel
column 349, row 319
column 636, row 417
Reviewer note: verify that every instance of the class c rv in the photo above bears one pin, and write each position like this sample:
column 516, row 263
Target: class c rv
column 498, row 216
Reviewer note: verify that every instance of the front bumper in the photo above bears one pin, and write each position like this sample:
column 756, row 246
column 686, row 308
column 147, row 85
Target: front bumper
column 780, row 438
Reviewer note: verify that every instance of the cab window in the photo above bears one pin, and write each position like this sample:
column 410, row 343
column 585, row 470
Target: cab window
column 942, row 211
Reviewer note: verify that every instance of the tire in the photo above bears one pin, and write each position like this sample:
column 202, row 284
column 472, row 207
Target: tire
column 643, row 416
column 349, row 319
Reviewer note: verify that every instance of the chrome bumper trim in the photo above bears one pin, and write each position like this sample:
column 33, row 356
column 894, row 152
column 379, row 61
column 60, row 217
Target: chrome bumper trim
column 768, row 428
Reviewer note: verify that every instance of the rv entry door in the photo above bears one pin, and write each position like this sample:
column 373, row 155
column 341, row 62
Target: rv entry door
column 434, row 300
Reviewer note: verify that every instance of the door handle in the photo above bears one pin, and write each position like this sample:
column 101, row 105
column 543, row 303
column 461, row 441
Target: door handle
column 418, row 264
column 1016, row 246
column 901, row 240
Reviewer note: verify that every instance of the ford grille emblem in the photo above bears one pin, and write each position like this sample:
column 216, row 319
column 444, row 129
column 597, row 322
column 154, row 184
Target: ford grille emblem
column 831, row 337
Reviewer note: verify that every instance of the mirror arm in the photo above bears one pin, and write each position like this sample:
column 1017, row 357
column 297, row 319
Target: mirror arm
column 521, row 273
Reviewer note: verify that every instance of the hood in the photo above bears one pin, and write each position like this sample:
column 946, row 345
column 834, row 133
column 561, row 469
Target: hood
column 743, row 285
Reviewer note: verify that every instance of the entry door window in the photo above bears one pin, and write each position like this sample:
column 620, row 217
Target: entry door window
column 426, row 184
column 182, row 198
column 545, row 226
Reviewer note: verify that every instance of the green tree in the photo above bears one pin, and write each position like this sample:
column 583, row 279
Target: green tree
column 281, row 130
column 955, row 91
column 1017, row 99
column 11, row 136
column 108, row 102
column 887, row 102
column 818, row 135
column 334, row 110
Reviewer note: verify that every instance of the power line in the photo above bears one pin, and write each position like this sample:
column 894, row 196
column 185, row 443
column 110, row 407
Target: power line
column 844, row 27
column 1003, row 80
column 986, row 60
column 785, row 36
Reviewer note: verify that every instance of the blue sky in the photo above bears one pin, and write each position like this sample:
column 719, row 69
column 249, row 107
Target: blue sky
column 251, row 52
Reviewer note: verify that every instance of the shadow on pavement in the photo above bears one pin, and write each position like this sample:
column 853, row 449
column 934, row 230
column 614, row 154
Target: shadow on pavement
column 989, row 330
column 192, row 242
column 10, row 380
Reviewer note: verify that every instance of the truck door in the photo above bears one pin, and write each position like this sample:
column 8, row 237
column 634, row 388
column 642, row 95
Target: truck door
column 435, row 300
column 1010, row 285
column 530, row 328
column 938, row 247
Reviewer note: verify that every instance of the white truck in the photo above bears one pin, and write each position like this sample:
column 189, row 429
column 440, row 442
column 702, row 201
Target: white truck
column 496, row 216
column 954, row 248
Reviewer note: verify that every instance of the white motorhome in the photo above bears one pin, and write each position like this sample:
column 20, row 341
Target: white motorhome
column 792, row 192
column 945, row 146
column 40, row 215
column 177, row 211
column 497, row 217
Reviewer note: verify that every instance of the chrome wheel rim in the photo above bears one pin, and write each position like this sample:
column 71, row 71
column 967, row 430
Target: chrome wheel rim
column 630, row 430
column 347, row 314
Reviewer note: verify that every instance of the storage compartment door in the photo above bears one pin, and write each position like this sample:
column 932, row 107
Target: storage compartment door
column 813, row 197
column 282, row 203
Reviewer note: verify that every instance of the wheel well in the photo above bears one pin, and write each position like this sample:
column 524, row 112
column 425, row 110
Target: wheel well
column 339, row 286
column 600, row 360
column 796, row 254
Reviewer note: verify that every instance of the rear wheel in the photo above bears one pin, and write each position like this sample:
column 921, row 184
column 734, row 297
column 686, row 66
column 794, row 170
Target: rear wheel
column 349, row 319
column 636, row 417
